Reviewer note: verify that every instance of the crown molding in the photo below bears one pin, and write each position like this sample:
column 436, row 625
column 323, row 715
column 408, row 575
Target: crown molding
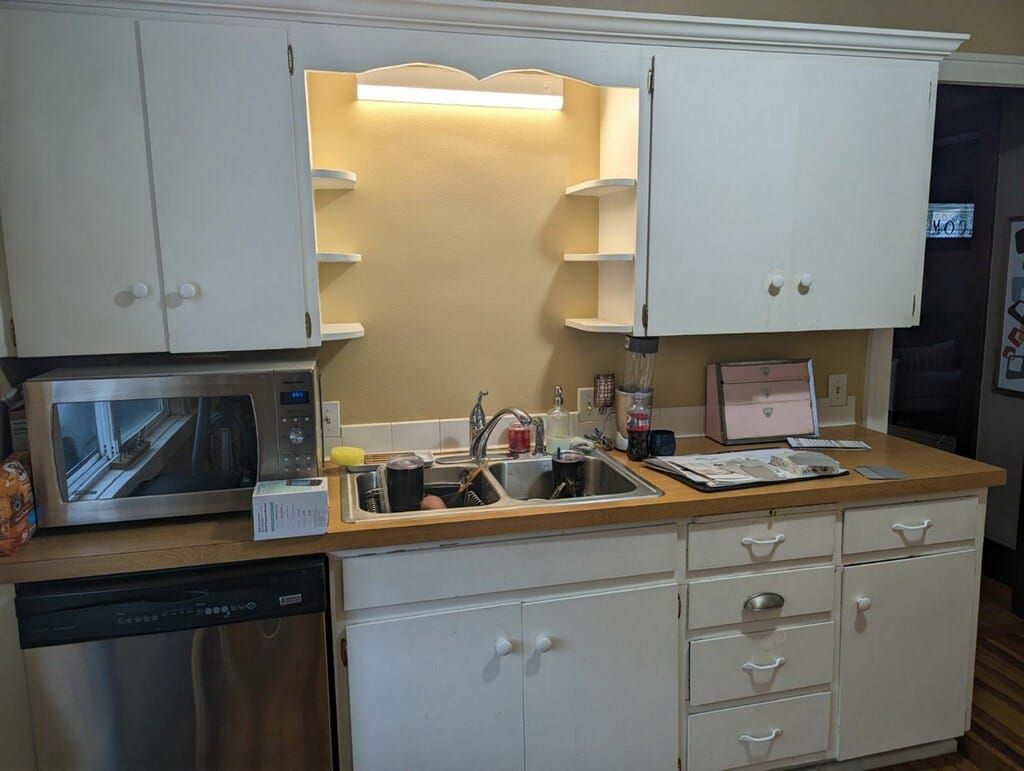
column 983, row 70
column 516, row 19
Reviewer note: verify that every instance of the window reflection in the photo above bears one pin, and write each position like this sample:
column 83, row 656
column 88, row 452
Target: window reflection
column 137, row 447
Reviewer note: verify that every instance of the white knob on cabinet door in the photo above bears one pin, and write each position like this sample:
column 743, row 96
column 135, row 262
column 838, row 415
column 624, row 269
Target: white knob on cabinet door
column 543, row 644
column 863, row 603
column 503, row 646
column 778, row 281
column 188, row 290
column 806, row 280
column 139, row 290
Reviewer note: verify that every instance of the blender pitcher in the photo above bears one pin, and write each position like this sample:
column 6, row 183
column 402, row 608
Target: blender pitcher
column 636, row 382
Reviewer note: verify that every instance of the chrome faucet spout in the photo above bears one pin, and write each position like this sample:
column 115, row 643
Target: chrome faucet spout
column 478, row 448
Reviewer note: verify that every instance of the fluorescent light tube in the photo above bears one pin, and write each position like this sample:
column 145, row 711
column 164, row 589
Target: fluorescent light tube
column 465, row 98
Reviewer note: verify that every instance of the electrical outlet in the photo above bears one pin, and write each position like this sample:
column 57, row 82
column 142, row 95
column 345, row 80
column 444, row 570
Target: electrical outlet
column 330, row 419
column 585, row 405
column 836, row 390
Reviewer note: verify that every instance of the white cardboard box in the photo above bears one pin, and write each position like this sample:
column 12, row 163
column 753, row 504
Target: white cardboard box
column 287, row 508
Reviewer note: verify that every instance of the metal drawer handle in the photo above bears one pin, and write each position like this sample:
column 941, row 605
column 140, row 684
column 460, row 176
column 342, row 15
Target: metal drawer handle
column 750, row 666
column 767, row 411
column 764, row 601
column 924, row 525
column 748, row 541
column 775, row 734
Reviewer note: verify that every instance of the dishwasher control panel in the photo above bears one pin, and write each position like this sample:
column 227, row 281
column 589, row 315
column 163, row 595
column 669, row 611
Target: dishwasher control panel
column 62, row 612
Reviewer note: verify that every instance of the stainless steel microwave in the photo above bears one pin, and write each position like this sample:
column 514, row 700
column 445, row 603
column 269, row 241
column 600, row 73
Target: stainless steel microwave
column 126, row 443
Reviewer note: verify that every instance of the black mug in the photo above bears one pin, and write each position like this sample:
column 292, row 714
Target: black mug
column 405, row 482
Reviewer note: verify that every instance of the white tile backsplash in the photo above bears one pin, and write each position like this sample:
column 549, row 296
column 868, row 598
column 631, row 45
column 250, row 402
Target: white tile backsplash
column 372, row 437
column 454, row 434
column 415, row 435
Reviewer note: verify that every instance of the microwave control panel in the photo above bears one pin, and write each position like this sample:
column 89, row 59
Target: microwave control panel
column 297, row 425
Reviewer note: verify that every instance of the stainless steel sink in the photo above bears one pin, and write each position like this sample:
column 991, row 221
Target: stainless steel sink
column 508, row 483
column 526, row 478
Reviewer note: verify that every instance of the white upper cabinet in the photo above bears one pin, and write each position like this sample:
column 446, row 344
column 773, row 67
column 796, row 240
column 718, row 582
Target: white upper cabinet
column 74, row 186
column 788, row 191
column 224, row 175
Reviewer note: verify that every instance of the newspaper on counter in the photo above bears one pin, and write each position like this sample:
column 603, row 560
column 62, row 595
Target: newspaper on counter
column 747, row 467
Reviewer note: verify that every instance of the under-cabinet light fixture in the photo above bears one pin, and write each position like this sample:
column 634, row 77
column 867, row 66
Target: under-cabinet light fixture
column 429, row 84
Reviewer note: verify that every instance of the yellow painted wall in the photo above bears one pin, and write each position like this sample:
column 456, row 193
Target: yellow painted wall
column 994, row 25
column 461, row 218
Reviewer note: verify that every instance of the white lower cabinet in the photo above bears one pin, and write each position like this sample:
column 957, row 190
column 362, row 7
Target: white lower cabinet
column 758, row 733
column 605, row 695
column 905, row 651
column 433, row 692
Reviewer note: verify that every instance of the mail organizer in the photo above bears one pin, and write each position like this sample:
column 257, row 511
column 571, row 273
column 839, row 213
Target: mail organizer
column 757, row 401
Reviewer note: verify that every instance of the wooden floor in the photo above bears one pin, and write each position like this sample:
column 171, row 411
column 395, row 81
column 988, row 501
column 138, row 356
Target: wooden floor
column 996, row 738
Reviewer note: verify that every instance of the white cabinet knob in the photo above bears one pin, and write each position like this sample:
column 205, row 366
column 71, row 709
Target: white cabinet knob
column 139, row 290
column 188, row 290
column 863, row 603
column 503, row 646
column 806, row 280
column 543, row 644
column 778, row 281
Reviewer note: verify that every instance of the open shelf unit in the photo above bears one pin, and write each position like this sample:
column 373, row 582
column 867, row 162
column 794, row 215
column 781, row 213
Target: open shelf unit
column 333, row 179
column 599, row 257
column 338, row 257
column 615, row 190
column 330, row 332
column 601, row 187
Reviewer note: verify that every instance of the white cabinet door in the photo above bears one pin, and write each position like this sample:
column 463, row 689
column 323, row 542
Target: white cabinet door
column 904, row 662
column 721, row 211
column 788, row 167
column 861, row 192
column 604, row 694
column 224, row 172
column 74, row 186
column 433, row 693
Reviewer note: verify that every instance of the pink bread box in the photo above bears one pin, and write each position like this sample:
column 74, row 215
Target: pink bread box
column 758, row 401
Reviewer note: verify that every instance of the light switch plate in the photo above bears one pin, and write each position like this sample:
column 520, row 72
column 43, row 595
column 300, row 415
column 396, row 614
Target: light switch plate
column 836, row 390
column 585, row 406
column 330, row 419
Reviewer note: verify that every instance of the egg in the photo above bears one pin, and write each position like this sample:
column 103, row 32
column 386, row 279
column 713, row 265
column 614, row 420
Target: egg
column 432, row 502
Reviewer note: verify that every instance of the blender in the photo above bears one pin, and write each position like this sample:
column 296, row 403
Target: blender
column 636, row 382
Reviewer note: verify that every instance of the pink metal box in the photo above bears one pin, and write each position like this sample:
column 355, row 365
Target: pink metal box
column 758, row 401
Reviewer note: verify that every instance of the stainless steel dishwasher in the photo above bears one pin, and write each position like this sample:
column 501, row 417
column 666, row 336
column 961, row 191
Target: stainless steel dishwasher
column 213, row 668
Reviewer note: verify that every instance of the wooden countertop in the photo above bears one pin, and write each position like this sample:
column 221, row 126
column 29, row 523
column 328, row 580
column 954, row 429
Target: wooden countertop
column 129, row 547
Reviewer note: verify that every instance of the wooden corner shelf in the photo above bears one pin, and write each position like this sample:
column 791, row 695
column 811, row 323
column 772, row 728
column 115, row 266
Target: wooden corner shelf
column 330, row 332
column 598, row 257
column 333, row 179
column 599, row 325
column 598, row 187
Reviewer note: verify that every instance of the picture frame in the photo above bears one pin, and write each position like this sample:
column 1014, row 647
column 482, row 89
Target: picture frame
column 1009, row 370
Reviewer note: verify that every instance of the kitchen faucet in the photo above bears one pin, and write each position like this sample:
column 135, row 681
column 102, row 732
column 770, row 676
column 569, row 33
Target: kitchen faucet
column 478, row 449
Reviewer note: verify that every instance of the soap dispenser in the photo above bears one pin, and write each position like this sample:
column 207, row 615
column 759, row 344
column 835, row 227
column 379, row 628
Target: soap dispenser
column 556, row 424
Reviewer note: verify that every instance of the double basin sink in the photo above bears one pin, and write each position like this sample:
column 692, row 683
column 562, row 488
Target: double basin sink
column 507, row 483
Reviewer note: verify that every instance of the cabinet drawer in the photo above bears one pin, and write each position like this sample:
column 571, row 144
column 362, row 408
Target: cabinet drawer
column 766, row 391
column 769, row 419
column 877, row 528
column 376, row 580
column 759, row 541
column 746, row 373
column 727, row 738
column 720, row 601
column 744, row 665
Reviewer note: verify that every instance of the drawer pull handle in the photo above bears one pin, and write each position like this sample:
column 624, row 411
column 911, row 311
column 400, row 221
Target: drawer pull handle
column 750, row 666
column 764, row 601
column 923, row 525
column 748, row 541
column 768, row 411
column 775, row 734
column 766, row 392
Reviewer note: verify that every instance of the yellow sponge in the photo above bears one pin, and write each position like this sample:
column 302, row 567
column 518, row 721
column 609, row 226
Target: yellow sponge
column 347, row 456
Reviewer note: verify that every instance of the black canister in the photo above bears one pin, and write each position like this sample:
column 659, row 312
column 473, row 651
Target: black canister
column 405, row 482
column 570, row 468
